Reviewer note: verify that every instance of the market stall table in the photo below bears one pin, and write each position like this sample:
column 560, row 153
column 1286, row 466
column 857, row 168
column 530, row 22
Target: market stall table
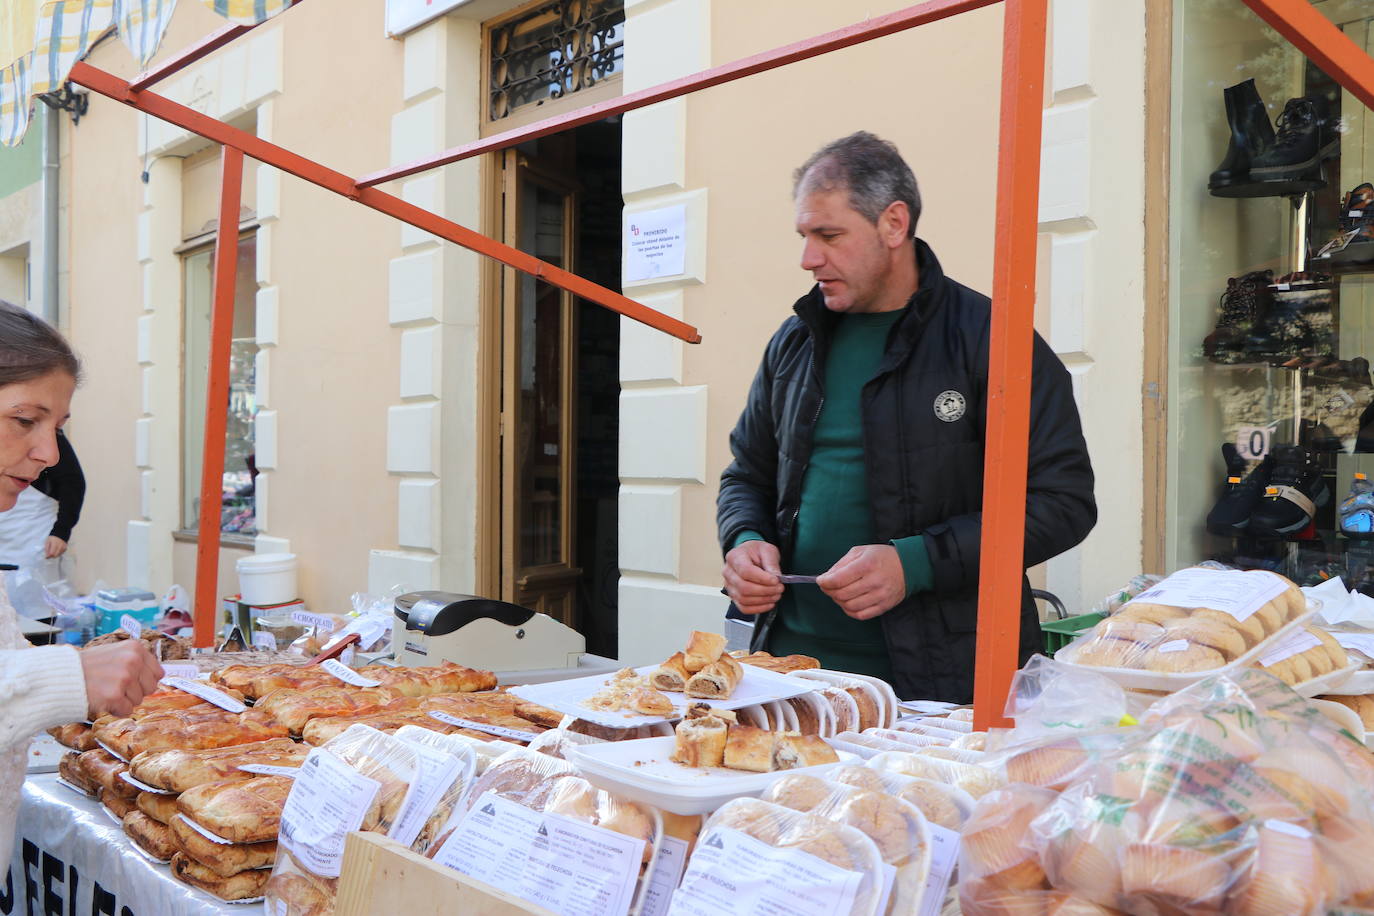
column 71, row 857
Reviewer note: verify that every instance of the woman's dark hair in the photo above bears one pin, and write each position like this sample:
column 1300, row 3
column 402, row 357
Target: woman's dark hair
column 30, row 347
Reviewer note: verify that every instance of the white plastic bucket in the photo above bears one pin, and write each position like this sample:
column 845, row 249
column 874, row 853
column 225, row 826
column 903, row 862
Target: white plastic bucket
column 267, row 578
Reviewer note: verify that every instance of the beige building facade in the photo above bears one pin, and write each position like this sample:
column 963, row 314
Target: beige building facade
column 396, row 380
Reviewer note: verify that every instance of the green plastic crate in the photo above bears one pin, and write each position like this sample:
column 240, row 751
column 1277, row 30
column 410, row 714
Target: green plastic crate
column 1059, row 633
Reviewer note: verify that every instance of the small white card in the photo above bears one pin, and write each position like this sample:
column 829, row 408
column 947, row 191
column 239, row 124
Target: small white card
column 206, row 693
column 944, row 857
column 268, row 769
column 131, row 626
column 1298, row 641
column 347, row 674
column 482, row 727
column 672, row 859
column 327, row 802
column 1239, row 594
column 318, row 621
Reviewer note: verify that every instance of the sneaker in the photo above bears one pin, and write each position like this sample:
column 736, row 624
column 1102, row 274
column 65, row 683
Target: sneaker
column 1231, row 515
column 1243, row 305
column 1294, row 492
column 1357, row 510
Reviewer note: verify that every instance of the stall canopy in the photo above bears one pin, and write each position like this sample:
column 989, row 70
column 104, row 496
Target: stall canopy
column 41, row 40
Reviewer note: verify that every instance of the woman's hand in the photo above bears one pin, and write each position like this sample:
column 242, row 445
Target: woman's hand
column 118, row 676
column 54, row 546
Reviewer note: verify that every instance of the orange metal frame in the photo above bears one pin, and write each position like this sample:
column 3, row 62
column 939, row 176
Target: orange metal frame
column 1013, row 278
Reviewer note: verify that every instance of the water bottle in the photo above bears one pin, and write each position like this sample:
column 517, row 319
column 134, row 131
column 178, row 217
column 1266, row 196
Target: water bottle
column 78, row 623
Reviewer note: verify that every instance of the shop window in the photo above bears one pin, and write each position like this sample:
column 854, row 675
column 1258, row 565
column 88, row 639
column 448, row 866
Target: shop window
column 236, row 499
column 1271, row 411
column 549, row 51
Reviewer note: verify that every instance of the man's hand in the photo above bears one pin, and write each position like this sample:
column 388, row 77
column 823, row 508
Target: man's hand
column 54, row 547
column 867, row 581
column 118, row 676
column 751, row 576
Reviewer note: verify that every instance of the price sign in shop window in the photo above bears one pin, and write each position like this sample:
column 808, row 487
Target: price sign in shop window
column 1253, row 442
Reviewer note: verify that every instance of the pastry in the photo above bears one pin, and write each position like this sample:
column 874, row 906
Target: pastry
column 75, row 735
column 792, row 751
column 102, row 769
column 161, row 808
column 239, row 810
column 700, row 742
column 800, row 792
column 671, row 675
column 717, row 680
column 224, row 860
column 1181, row 655
column 749, row 748
column 153, row 837
column 70, row 769
column 117, row 805
column 445, row 678
column 244, row 885
column 702, row 650
column 1224, row 638
column 934, row 801
column 782, row 664
column 1144, row 612
column 294, row 708
column 539, row 715
column 649, row 702
column 179, row 770
column 860, row 777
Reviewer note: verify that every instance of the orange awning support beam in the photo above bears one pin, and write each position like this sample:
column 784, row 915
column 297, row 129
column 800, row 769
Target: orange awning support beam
column 1321, row 42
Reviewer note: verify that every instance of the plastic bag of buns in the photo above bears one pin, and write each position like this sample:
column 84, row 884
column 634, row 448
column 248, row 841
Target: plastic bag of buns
column 359, row 780
column 770, row 856
column 1196, row 621
column 942, row 804
column 448, row 764
column 550, row 785
column 1234, row 795
column 1302, row 655
column 896, row 827
column 975, row 779
column 1362, row 706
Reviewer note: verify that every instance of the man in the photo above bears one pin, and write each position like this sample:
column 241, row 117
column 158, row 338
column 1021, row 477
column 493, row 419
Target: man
column 858, row 457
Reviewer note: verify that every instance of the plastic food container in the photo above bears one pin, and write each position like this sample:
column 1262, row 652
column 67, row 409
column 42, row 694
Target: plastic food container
column 267, row 578
column 113, row 603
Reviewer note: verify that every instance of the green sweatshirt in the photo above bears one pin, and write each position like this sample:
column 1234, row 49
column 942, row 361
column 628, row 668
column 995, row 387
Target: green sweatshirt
column 835, row 514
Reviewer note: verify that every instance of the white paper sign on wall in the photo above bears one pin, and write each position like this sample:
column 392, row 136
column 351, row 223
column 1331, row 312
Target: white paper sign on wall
column 655, row 243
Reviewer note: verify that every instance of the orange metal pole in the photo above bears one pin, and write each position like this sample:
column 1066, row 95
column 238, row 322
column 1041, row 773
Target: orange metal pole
column 1009, row 360
column 1322, row 42
column 98, row 80
column 869, row 29
column 217, row 395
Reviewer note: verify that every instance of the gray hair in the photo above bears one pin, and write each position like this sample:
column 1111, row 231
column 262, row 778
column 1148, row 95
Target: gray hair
column 867, row 166
column 31, row 348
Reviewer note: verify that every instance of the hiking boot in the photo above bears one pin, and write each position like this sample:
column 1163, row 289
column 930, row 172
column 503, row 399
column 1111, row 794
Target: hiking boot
column 1245, row 301
column 1231, row 515
column 1297, row 320
column 1292, row 164
column 1294, row 492
column 1251, row 134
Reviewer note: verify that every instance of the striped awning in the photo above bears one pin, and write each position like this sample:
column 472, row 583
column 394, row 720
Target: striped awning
column 40, row 41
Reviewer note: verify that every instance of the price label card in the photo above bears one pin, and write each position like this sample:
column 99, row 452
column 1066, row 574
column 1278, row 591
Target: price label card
column 944, row 856
column 1252, row 442
column 1239, row 594
column 569, row 866
column 369, row 628
column 327, row 802
column 482, row 727
column 1360, row 642
column 435, row 774
column 347, row 674
column 733, row 874
column 267, row 769
column 131, row 626
column 1295, row 642
column 265, row 640
column 175, row 669
column 318, row 621
column 206, row 693
column 672, row 858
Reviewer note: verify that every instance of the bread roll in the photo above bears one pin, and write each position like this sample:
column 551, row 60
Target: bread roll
column 672, row 675
column 702, row 650
column 1223, row 637
column 1189, row 658
column 177, row 770
column 700, row 742
column 161, row 808
column 244, row 885
column 792, row 751
column 152, row 837
column 225, row 861
column 116, row 804
column 749, row 748
column 717, row 680
column 239, row 810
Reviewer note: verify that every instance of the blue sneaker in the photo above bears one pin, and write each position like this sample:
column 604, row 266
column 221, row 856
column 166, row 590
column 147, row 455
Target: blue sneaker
column 1357, row 509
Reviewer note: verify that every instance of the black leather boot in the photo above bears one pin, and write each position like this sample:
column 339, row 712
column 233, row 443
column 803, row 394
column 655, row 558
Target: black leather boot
column 1251, row 135
column 1292, row 164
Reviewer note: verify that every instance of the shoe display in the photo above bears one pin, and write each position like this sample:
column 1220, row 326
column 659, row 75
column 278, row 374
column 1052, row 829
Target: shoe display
column 1357, row 510
column 1294, row 492
column 1251, row 134
column 1292, row 164
column 1243, row 304
column 1298, row 320
column 1354, row 243
column 1230, row 517
column 1364, row 440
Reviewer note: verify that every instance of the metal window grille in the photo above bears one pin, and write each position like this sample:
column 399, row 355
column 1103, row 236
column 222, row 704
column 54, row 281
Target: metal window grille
column 554, row 50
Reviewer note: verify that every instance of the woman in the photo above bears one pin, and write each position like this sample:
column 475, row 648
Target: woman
column 49, row 685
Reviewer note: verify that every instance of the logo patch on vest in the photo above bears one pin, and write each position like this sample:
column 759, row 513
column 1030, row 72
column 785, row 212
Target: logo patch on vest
column 950, row 405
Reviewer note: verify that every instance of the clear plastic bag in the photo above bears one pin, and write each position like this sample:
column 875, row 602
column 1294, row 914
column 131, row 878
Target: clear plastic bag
column 451, row 783
column 975, row 779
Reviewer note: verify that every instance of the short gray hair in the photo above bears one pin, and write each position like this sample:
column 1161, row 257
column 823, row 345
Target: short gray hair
column 869, row 168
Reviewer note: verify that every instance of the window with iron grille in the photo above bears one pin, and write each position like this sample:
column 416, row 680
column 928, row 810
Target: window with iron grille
column 551, row 50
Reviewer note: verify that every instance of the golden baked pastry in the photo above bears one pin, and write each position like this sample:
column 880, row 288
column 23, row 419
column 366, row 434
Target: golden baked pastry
column 542, row 716
column 102, row 769
column 749, row 748
column 244, row 885
column 932, row 800
column 672, row 675
column 433, row 680
column 1105, row 652
column 153, row 837
column 225, row 861
column 75, row 735
column 117, row 805
column 1144, row 612
column 782, row 664
column 1177, row 874
column 700, row 742
column 717, row 680
column 1362, row 706
column 161, row 808
column 702, row 649
column 1215, row 634
column 860, row 777
column 800, row 792
column 294, row 708
column 1251, row 629
column 792, row 751
column 238, row 810
column 1190, row 657
column 70, row 768
column 177, row 770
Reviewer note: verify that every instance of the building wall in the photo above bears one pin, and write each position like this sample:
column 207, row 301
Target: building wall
column 21, row 217
column 727, row 154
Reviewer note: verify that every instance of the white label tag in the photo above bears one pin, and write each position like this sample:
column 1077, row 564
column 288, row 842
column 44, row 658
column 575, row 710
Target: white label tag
column 1174, row 645
column 213, row 838
column 436, row 772
column 569, row 866
column 1360, row 642
column 889, row 874
column 131, row 626
column 733, row 874
column 141, row 785
column 1289, row 646
column 318, row 621
column 1239, row 594
column 173, row 669
column 328, row 801
column 347, row 674
column 1354, row 214
column 206, row 693
column 672, row 858
column 482, row 727
column 369, row 629
column 1285, row 827
column 265, row 640
column 268, row 769
column 1252, row 442
column 944, row 856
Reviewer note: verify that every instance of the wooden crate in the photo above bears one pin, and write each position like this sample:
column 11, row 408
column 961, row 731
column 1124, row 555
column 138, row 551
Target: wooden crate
column 383, row 878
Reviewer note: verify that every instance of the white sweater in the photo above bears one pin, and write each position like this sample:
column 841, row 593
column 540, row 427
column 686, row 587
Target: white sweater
column 39, row 688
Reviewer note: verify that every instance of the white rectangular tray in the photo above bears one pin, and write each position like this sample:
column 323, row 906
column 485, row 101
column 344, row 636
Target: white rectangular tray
column 757, row 686
column 640, row 770
column 1360, row 683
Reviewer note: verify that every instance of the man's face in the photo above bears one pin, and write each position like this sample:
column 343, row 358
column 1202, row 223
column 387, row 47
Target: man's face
column 846, row 254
